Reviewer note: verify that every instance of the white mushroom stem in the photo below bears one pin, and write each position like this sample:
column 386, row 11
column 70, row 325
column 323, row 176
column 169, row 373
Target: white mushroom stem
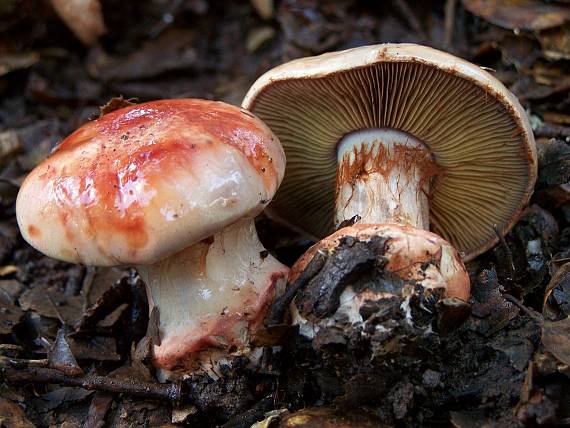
column 383, row 176
column 212, row 296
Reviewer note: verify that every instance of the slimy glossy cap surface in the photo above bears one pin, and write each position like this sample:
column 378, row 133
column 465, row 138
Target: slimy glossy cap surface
column 146, row 181
column 477, row 131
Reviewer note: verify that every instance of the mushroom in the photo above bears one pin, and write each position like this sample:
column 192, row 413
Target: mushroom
column 369, row 266
column 170, row 187
column 398, row 134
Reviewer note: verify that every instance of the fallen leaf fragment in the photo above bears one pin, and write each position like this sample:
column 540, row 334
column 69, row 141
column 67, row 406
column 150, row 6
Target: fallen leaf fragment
column 557, row 294
column 10, row 315
column 52, row 303
column 555, row 334
column 530, row 15
column 115, row 103
column 64, row 396
column 555, row 43
column 12, row 416
column 538, row 409
column 97, row 348
column 83, row 17
column 556, row 339
column 9, row 143
column 98, row 409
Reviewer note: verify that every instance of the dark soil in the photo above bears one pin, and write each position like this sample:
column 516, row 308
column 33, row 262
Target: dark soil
column 74, row 348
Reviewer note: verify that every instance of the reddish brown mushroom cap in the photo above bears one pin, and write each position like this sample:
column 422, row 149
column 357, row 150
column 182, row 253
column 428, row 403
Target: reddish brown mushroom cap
column 414, row 254
column 143, row 182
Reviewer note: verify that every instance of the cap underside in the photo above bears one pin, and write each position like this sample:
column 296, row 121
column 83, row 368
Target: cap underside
column 480, row 146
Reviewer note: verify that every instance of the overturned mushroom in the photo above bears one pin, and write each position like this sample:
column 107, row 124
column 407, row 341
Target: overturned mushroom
column 398, row 134
column 170, row 187
column 375, row 275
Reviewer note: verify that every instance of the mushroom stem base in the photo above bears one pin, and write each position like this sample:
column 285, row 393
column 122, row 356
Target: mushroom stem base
column 383, row 176
column 211, row 297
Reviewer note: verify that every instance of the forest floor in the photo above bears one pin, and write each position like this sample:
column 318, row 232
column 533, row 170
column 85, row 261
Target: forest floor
column 67, row 330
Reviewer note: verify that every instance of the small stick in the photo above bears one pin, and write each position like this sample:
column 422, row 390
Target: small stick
column 507, row 250
column 18, row 363
column 449, row 22
column 16, row 374
column 282, row 303
column 57, row 313
column 531, row 313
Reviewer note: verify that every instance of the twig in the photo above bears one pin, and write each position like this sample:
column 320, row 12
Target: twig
column 531, row 313
column 449, row 22
column 18, row 363
column 57, row 313
column 507, row 250
column 108, row 302
column 282, row 303
column 13, row 371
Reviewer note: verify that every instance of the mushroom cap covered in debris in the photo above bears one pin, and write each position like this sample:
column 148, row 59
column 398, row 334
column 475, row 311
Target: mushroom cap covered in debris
column 413, row 255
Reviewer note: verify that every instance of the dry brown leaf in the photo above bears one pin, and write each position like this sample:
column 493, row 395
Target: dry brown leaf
column 555, row 43
column 531, row 15
column 116, row 103
column 61, row 358
column 83, row 17
column 12, row 416
column 96, row 348
column 10, row 315
column 556, row 339
column 559, row 300
column 52, row 303
column 98, row 409
column 555, row 334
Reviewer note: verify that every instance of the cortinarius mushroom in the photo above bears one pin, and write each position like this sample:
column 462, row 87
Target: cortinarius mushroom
column 398, row 134
column 170, row 187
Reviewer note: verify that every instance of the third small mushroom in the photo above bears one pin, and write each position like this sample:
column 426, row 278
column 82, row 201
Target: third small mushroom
column 400, row 138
